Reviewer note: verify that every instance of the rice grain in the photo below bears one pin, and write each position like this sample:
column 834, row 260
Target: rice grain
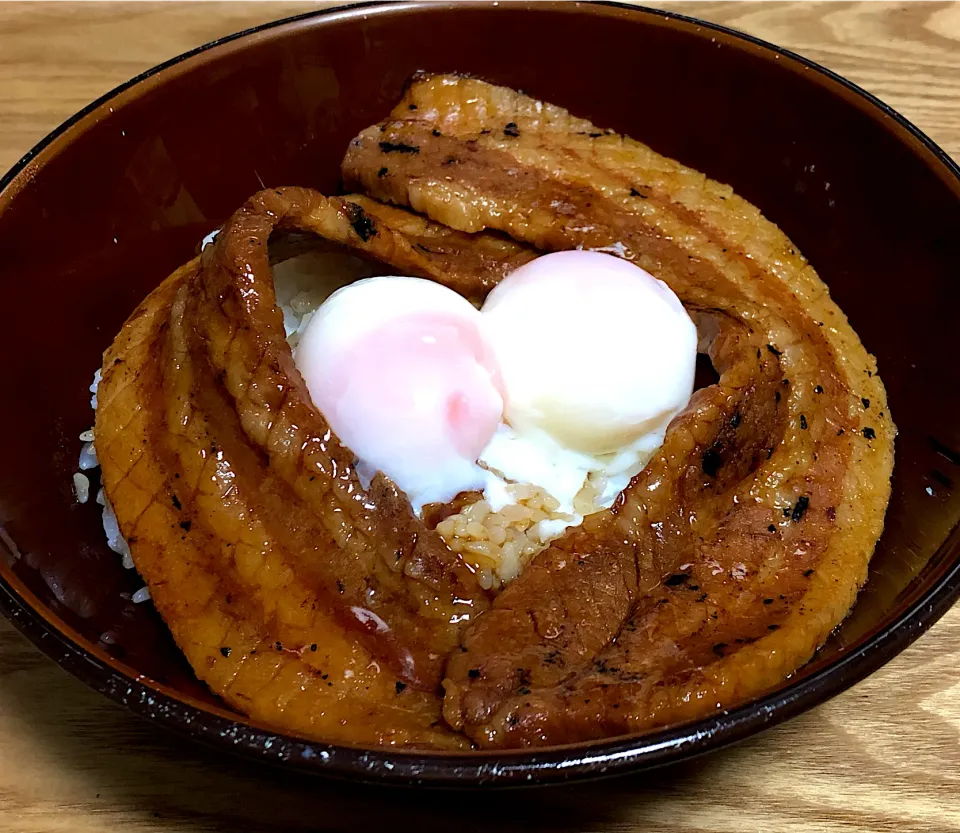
column 81, row 486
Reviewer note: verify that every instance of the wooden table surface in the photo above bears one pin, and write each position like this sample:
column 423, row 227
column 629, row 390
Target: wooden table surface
column 884, row 756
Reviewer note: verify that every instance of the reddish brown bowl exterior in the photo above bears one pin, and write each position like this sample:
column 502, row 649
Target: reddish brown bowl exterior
column 111, row 202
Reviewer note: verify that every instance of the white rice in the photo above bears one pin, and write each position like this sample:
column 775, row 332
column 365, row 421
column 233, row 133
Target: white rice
column 304, row 282
column 142, row 595
column 81, row 486
column 88, row 457
column 111, row 528
column 93, row 389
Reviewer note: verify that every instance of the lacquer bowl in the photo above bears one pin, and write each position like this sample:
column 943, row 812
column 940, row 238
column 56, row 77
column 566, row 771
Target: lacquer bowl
column 117, row 197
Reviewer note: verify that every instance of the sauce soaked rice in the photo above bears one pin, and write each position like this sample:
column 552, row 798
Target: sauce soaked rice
column 499, row 544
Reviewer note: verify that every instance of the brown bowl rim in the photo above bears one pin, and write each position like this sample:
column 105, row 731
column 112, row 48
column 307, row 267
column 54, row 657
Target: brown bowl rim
column 484, row 768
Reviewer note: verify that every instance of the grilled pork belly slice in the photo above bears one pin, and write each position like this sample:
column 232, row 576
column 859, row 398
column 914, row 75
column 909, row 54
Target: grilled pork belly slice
column 724, row 565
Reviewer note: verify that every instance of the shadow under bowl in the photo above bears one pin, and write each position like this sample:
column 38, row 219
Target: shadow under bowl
column 110, row 203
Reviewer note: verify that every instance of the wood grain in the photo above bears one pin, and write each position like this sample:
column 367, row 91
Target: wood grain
column 884, row 756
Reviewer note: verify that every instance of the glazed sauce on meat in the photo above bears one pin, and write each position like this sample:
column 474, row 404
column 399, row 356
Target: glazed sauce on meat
column 331, row 611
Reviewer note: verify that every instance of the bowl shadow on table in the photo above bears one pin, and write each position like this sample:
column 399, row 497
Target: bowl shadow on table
column 121, row 764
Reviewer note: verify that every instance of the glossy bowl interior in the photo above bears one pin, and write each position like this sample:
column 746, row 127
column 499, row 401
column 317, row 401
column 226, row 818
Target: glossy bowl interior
column 114, row 200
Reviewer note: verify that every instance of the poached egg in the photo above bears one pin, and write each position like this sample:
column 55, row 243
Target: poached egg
column 597, row 356
column 407, row 380
column 566, row 378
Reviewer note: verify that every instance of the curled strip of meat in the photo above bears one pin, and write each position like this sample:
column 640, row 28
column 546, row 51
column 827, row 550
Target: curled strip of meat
column 328, row 609
column 728, row 561
column 401, row 586
column 302, row 598
column 553, row 626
